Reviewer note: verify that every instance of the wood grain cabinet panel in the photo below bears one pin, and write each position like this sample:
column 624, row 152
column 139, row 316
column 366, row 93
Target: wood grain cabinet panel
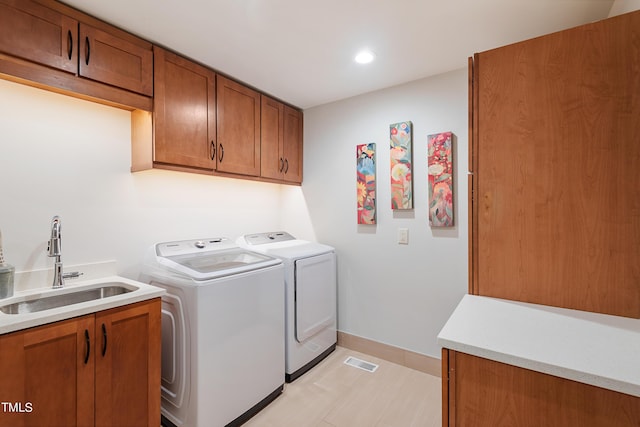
column 292, row 144
column 184, row 112
column 110, row 59
column 78, row 373
column 128, row 366
column 281, row 141
column 51, row 46
column 556, row 189
column 37, row 33
column 271, row 138
column 51, row 369
column 238, row 128
column 485, row 393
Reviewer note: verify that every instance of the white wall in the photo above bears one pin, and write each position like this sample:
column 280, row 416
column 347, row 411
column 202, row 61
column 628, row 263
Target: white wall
column 395, row 294
column 65, row 156
column 623, row 6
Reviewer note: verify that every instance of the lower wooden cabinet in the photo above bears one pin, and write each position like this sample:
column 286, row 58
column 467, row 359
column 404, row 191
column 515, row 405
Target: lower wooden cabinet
column 127, row 356
column 480, row 392
column 101, row 369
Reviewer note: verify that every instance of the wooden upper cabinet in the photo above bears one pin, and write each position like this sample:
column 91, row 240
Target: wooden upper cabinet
column 292, row 145
column 238, row 128
column 184, row 112
column 118, row 61
column 36, row 33
column 52, row 46
column 556, row 188
column 271, row 138
column 281, row 141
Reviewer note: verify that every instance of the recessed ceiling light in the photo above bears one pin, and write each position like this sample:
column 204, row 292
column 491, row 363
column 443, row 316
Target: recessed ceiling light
column 364, row 57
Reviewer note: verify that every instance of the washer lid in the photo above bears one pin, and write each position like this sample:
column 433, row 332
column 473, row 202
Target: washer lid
column 282, row 245
column 215, row 258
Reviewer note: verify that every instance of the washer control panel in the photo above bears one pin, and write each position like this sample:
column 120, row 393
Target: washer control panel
column 262, row 238
column 192, row 246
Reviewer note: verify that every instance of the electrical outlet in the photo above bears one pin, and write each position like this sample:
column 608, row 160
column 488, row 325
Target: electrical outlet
column 403, row 236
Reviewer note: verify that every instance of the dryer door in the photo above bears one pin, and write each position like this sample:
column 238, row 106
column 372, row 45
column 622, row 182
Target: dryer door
column 315, row 294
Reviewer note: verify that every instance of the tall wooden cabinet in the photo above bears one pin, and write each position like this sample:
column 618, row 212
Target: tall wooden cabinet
column 555, row 213
column 101, row 370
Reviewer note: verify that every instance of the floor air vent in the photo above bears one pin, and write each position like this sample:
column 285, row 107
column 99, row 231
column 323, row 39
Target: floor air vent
column 361, row 364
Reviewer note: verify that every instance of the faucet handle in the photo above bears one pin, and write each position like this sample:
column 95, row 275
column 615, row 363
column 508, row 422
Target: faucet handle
column 54, row 247
column 55, row 242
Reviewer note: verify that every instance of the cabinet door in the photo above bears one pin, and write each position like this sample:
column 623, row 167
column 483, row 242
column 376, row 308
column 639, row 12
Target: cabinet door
column 184, row 112
column 238, row 111
column 128, row 365
column 556, row 182
column 110, row 59
column 486, row 393
column 292, row 145
column 48, row 375
column 271, row 138
column 36, row 33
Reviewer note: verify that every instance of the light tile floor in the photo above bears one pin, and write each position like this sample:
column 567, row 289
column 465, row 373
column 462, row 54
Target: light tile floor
column 333, row 394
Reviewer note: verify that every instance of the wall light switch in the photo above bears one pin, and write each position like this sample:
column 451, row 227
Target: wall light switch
column 403, row 236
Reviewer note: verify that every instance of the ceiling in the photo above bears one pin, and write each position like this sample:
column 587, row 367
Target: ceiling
column 302, row 51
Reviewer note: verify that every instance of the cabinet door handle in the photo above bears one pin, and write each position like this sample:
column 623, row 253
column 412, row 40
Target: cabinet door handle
column 213, row 150
column 87, row 50
column 286, row 165
column 221, row 153
column 88, row 341
column 69, row 43
column 281, row 165
column 104, row 340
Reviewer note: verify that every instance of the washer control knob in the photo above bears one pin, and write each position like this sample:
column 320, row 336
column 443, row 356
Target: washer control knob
column 200, row 244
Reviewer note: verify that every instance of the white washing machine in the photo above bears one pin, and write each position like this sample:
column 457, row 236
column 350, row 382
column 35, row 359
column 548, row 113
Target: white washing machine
column 310, row 297
column 222, row 330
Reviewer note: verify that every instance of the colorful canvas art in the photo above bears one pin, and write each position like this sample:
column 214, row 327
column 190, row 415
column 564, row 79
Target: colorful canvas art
column 401, row 179
column 440, row 163
column 366, row 182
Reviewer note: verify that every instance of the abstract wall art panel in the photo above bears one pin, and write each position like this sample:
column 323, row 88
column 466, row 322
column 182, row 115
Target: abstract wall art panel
column 401, row 156
column 440, row 164
column 366, row 182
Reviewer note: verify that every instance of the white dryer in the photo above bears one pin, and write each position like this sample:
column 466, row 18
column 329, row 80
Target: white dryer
column 310, row 297
column 222, row 330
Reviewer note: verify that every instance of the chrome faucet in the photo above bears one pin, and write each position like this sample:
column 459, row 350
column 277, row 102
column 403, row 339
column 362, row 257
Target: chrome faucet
column 55, row 250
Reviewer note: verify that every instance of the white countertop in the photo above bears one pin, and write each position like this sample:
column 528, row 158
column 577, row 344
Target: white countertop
column 591, row 348
column 94, row 275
